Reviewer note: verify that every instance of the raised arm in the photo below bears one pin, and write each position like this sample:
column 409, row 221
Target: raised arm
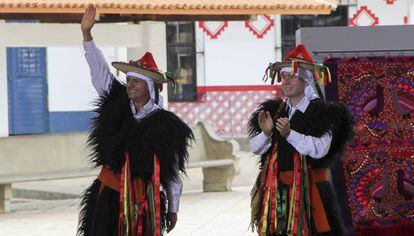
column 101, row 76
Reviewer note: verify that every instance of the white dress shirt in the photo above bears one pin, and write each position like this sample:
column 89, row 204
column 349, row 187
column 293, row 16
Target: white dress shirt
column 304, row 144
column 102, row 80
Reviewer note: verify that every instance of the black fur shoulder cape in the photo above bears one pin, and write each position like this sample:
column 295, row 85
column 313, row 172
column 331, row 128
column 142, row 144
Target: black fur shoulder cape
column 320, row 117
column 115, row 132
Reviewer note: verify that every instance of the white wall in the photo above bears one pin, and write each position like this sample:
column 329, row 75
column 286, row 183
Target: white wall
column 388, row 14
column 411, row 11
column 69, row 80
column 4, row 111
column 236, row 57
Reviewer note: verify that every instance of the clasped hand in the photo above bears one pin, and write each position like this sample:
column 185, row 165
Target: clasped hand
column 266, row 124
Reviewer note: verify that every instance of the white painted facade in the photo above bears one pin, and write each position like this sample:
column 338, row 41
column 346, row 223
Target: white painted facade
column 236, row 57
column 70, row 88
column 382, row 12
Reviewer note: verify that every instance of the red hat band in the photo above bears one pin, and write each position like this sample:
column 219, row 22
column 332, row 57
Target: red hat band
column 146, row 61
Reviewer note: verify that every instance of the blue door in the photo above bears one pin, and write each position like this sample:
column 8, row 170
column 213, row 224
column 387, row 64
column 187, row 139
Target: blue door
column 27, row 87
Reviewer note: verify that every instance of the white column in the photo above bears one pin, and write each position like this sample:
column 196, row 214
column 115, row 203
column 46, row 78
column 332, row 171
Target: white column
column 200, row 56
column 410, row 8
column 4, row 110
column 278, row 37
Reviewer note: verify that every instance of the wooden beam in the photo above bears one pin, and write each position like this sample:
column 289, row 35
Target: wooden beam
column 44, row 18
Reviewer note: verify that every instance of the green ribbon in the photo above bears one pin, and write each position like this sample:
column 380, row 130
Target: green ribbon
column 282, row 202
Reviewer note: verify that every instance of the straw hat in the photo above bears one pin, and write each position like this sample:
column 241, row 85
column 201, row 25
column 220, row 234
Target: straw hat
column 145, row 66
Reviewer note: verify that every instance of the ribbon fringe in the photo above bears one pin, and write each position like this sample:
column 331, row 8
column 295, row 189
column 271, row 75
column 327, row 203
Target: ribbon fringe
column 131, row 211
column 278, row 213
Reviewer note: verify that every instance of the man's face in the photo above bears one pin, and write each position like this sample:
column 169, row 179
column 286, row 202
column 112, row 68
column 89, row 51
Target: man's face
column 292, row 85
column 137, row 89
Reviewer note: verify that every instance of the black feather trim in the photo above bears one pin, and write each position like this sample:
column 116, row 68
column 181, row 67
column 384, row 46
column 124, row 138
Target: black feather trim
column 271, row 106
column 339, row 121
column 87, row 205
column 320, row 117
column 116, row 131
column 343, row 122
column 106, row 215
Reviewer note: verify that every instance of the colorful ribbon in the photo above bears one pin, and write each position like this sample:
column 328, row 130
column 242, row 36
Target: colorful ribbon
column 134, row 206
column 268, row 218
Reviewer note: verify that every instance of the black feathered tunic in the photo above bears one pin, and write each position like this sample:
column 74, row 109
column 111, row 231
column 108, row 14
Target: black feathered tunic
column 115, row 131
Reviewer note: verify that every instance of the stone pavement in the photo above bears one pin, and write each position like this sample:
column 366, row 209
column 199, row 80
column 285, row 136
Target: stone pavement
column 212, row 214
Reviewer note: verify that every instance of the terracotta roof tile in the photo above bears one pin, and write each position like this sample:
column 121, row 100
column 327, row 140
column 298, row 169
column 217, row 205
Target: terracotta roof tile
column 170, row 6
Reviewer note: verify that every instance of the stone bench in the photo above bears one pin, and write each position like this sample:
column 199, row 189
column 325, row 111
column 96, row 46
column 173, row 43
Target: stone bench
column 58, row 156
column 217, row 157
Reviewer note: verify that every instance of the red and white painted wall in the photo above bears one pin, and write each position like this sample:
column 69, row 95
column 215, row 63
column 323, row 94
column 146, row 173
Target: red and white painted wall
column 231, row 61
column 381, row 12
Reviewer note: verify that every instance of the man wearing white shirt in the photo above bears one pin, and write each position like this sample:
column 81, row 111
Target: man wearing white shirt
column 140, row 147
column 297, row 138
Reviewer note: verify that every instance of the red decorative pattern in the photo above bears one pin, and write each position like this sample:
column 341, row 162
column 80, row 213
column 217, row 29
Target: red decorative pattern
column 363, row 12
column 379, row 166
column 260, row 26
column 390, row 2
column 212, row 30
column 227, row 112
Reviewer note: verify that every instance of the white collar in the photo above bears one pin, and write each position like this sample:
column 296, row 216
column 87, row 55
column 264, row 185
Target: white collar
column 145, row 110
column 302, row 105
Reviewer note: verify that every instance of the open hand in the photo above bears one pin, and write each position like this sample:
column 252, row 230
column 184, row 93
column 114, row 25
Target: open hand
column 88, row 21
column 265, row 122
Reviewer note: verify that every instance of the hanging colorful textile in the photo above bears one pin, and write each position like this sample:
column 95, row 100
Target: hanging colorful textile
column 379, row 166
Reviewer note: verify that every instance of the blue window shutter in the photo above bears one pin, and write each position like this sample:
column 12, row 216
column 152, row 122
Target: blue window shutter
column 27, row 86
